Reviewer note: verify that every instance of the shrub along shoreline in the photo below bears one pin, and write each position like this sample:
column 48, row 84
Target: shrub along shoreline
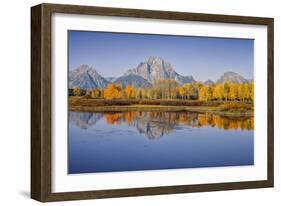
column 82, row 104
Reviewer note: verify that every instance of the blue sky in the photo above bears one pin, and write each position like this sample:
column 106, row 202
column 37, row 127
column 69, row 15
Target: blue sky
column 112, row 54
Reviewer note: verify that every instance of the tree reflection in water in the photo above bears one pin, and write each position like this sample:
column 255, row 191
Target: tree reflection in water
column 157, row 124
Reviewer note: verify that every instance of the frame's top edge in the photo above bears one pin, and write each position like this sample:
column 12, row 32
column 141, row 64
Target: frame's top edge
column 157, row 14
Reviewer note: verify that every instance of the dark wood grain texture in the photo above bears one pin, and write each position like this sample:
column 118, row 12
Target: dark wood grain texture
column 41, row 176
column 40, row 103
column 270, row 102
column 36, row 103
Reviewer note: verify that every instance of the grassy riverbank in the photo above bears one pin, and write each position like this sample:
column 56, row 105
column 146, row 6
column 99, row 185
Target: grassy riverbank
column 100, row 105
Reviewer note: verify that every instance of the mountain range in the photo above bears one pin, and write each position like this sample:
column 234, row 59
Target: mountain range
column 145, row 74
column 154, row 69
column 86, row 77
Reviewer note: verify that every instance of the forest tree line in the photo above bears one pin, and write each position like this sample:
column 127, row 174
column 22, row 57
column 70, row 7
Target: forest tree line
column 170, row 89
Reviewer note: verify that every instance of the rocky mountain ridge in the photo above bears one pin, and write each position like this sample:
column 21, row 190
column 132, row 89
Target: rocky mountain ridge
column 145, row 74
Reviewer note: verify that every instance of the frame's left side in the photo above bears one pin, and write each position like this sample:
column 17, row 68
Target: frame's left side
column 40, row 103
column 36, row 139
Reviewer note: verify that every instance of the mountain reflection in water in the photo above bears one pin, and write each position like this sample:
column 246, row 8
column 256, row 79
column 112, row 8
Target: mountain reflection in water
column 158, row 124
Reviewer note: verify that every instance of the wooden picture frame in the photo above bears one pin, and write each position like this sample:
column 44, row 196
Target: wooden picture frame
column 41, row 95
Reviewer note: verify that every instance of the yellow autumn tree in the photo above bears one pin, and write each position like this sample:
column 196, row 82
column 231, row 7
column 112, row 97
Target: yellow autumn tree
column 139, row 94
column 96, row 93
column 206, row 93
column 129, row 91
column 247, row 92
column 188, row 91
column 113, row 91
column 226, row 90
column 233, row 93
column 242, row 92
column 252, row 91
column 181, row 92
column 203, row 93
column 210, row 92
column 218, row 91
column 77, row 91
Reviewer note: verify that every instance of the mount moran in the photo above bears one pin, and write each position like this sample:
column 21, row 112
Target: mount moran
column 144, row 75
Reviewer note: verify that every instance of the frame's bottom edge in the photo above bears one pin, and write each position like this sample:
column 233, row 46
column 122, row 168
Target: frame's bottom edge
column 164, row 190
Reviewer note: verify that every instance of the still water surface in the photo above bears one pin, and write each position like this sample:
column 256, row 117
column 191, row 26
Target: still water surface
column 128, row 141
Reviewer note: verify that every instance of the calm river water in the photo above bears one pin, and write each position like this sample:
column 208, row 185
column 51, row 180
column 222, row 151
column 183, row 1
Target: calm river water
column 128, row 141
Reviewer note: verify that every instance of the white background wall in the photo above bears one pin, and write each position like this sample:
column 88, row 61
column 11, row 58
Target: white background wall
column 15, row 102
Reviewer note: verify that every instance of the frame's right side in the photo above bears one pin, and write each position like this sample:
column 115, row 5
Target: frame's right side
column 270, row 102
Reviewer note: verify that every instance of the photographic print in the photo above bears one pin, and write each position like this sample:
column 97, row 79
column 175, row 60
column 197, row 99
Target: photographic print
column 151, row 102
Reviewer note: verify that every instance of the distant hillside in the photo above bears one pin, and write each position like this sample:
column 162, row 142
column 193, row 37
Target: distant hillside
column 208, row 82
column 110, row 79
column 132, row 79
column 86, row 77
column 232, row 77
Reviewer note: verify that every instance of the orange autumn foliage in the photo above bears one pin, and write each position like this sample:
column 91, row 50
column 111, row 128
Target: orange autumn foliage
column 189, row 119
column 113, row 91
